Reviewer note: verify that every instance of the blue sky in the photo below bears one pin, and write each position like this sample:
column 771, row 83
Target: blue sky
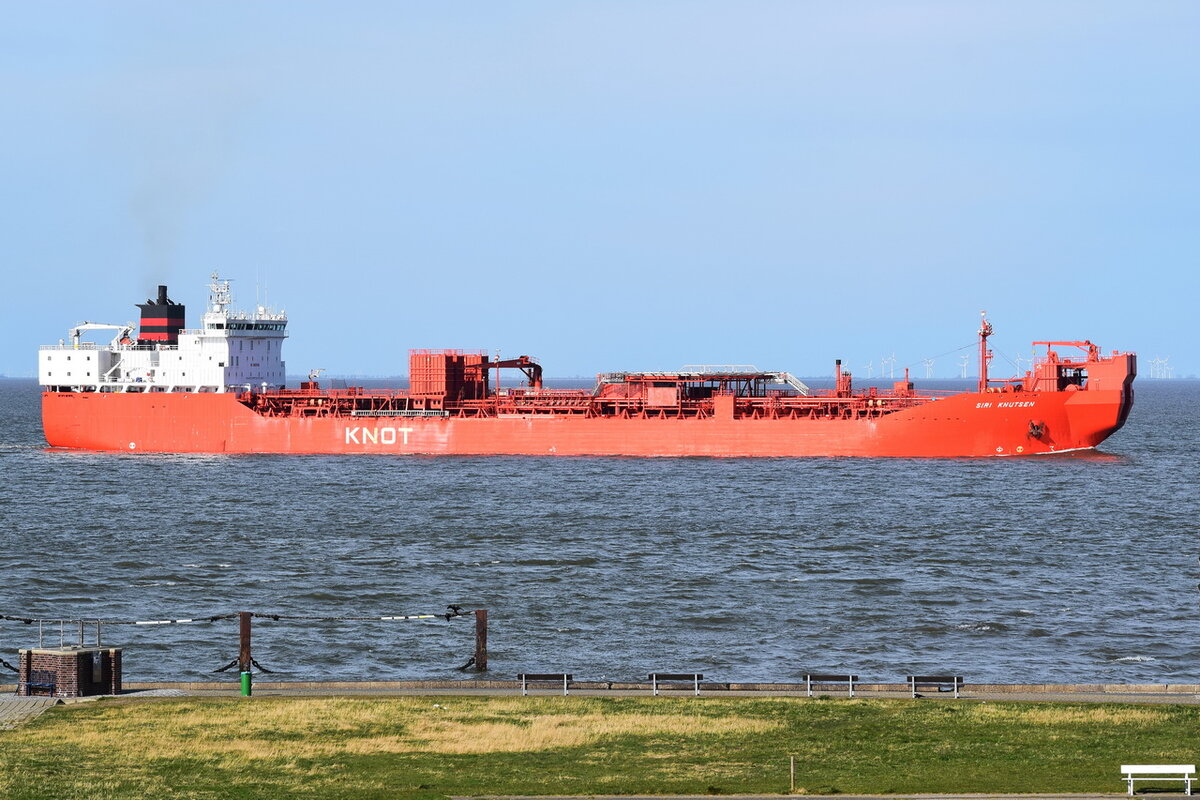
column 615, row 185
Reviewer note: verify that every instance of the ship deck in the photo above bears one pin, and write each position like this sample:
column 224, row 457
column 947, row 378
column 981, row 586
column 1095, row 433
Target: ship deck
column 576, row 403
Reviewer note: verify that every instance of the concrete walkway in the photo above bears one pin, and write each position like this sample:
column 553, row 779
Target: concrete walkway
column 17, row 710
column 1156, row 795
column 1053, row 693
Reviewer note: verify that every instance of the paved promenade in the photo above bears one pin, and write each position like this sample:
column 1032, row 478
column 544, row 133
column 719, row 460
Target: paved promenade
column 16, row 710
column 1156, row 795
column 1098, row 693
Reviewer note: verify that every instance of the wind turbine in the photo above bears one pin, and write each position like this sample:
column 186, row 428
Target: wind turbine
column 928, row 362
column 870, row 369
column 886, row 364
column 963, row 365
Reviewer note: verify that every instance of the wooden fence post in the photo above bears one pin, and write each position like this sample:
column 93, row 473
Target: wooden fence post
column 481, row 632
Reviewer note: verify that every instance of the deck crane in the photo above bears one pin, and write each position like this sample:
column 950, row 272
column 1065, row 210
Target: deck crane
column 122, row 337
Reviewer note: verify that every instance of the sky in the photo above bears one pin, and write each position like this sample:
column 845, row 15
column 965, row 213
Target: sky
column 610, row 186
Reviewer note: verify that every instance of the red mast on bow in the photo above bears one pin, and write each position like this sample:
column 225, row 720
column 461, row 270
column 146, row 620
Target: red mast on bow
column 985, row 355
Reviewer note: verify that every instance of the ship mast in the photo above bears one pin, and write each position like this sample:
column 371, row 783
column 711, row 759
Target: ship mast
column 985, row 355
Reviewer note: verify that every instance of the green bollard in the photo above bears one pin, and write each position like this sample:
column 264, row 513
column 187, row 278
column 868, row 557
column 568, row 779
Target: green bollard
column 246, row 684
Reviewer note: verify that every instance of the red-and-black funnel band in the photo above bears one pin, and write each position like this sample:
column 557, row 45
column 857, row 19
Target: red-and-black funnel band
column 162, row 320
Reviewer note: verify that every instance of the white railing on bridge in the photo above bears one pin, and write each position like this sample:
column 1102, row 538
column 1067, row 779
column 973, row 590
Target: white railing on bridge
column 721, row 369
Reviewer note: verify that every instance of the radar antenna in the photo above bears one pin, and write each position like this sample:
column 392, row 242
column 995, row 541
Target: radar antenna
column 219, row 294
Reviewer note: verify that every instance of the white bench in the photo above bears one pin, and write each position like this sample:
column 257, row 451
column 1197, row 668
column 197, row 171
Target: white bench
column 1159, row 772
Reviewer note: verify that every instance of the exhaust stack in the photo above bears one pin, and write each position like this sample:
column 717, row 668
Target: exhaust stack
column 162, row 320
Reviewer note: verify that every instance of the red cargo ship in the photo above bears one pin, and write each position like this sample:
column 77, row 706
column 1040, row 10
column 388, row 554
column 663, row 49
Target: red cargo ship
column 218, row 389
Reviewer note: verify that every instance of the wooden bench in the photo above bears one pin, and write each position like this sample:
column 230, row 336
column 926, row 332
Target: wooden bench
column 1159, row 772
column 693, row 678
column 558, row 677
column 847, row 679
column 941, row 682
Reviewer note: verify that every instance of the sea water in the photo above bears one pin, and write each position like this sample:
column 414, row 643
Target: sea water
column 1072, row 568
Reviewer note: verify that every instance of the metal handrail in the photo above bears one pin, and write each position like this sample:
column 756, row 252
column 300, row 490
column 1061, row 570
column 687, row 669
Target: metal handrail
column 121, row 348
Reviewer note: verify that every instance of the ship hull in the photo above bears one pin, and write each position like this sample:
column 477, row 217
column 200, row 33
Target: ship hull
column 966, row 425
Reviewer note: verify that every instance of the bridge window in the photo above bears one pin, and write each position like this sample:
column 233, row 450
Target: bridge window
column 1068, row 376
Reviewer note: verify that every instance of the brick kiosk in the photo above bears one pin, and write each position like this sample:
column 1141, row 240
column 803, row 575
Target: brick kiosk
column 69, row 671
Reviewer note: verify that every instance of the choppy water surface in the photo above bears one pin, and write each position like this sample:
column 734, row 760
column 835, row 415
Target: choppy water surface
column 1047, row 569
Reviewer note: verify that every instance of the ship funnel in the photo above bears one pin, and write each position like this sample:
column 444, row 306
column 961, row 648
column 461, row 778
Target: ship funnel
column 162, row 320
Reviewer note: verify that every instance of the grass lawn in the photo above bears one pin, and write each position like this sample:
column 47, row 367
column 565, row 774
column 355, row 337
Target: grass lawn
column 389, row 747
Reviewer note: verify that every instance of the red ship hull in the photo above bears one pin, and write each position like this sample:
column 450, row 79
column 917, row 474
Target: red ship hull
column 965, row 425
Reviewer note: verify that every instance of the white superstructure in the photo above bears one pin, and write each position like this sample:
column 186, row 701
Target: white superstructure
column 230, row 351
